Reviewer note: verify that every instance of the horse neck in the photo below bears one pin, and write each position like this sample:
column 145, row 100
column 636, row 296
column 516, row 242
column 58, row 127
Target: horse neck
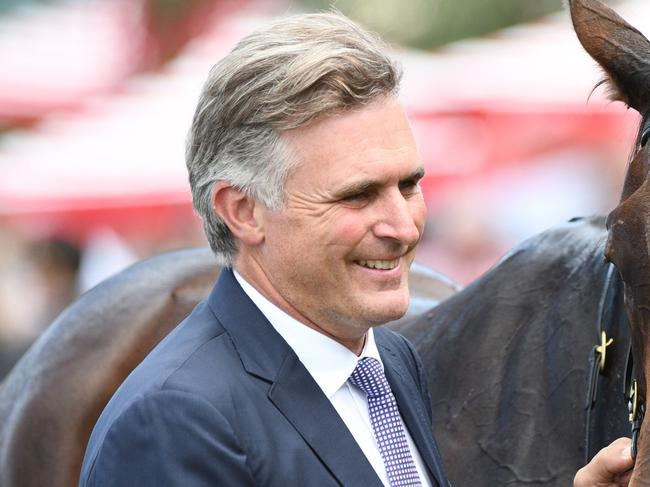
column 641, row 474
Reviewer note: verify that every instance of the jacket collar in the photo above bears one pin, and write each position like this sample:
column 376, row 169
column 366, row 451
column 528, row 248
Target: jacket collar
column 264, row 354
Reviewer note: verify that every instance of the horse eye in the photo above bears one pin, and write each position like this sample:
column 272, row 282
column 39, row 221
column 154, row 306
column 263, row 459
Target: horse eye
column 645, row 137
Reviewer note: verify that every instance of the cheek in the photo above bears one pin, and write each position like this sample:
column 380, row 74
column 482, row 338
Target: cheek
column 419, row 212
column 349, row 230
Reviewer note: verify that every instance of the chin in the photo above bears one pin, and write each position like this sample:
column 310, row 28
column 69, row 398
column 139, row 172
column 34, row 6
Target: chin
column 375, row 309
column 384, row 314
column 381, row 321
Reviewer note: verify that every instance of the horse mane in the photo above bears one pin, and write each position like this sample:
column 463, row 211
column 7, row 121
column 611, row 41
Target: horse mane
column 612, row 90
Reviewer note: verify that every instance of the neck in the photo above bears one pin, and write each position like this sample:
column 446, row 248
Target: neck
column 353, row 343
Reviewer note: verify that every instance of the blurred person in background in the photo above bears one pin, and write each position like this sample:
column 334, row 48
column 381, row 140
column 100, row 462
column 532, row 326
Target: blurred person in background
column 49, row 268
column 57, row 263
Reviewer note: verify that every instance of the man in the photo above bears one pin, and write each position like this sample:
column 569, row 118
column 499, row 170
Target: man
column 304, row 170
column 305, row 173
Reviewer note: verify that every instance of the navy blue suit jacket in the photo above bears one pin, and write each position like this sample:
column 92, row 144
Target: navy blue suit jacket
column 224, row 401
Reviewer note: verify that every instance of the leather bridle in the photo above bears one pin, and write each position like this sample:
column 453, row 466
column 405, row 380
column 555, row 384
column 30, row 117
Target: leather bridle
column 635, row 403
column 598, row 361
column 598, row 358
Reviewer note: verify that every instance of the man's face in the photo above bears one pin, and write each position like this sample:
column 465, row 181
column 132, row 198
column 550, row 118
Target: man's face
column 337, row 255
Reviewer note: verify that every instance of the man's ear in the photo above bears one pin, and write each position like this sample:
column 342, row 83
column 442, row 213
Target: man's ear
column 237, row 209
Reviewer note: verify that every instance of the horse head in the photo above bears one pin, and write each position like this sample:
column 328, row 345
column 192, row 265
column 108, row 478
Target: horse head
column 624, row 54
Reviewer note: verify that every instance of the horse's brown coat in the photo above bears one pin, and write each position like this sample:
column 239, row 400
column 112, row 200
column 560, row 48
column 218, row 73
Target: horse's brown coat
column 624, row 53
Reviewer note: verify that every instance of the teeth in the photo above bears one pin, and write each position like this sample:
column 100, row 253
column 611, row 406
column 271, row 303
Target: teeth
column 379, row 264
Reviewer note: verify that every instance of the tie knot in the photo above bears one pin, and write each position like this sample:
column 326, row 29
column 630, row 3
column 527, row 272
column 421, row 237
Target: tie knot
column 369, row 377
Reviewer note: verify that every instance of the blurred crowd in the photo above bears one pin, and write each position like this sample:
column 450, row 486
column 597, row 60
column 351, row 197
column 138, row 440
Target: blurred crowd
column 40, row 277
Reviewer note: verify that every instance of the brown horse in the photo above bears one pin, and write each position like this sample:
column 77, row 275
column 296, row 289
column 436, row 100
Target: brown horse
column 52, row 398
column 515, row 397
column 624, row 54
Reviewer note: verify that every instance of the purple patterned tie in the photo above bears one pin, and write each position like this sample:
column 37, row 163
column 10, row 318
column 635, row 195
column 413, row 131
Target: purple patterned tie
column 386, row 423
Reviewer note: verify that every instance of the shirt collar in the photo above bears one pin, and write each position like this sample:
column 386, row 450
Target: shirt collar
column 327, row 361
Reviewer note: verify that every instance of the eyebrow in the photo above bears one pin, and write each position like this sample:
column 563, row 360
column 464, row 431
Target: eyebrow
column 369, row 185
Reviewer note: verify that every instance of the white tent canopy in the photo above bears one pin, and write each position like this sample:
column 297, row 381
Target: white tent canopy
column 539, row 63
column 54, row 55
column 130, row 146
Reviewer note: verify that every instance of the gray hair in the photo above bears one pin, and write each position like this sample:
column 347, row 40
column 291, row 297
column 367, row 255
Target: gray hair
column 276, row 79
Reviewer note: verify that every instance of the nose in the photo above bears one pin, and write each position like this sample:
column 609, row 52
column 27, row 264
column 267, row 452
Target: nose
column 400, row 218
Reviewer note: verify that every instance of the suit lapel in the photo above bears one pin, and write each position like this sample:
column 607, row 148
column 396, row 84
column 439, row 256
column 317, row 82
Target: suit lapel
column 411, row 409
column 314, row 417
column 266, row 355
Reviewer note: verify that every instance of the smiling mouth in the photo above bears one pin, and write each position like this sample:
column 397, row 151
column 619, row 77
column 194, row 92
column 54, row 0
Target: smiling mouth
column 384, row 265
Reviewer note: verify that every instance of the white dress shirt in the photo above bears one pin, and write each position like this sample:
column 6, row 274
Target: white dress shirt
column 331, row 364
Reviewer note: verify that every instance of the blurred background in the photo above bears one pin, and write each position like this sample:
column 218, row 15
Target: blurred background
column 96, row 97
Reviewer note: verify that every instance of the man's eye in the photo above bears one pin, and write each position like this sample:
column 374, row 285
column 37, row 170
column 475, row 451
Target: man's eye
column 356, row 197
column 409, row 187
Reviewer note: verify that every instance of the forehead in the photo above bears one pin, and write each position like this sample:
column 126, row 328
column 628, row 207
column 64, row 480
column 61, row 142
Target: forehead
column 375, row 139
